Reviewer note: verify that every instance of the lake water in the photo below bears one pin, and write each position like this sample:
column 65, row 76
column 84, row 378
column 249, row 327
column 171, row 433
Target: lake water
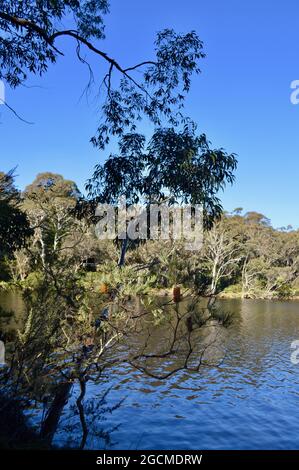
column 249, row 402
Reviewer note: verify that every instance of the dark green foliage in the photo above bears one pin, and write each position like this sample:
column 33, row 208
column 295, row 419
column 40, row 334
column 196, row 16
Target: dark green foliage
column 166, row 80
column 27, row 43
column 155, row 88
column 14, row 225
column 15, row 432
column 178, row 166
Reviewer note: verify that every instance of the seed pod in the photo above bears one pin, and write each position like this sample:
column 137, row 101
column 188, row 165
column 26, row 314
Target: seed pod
column 176, row 293
column 104, row 288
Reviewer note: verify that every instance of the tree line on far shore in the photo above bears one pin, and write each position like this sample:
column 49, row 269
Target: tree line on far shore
column 242, row 255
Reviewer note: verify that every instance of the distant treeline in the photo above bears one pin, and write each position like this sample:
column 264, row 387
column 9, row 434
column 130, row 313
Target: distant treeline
column 243, row 255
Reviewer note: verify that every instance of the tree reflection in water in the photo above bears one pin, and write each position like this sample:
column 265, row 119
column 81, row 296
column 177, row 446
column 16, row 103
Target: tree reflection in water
column 84, row 418
column 62, row 350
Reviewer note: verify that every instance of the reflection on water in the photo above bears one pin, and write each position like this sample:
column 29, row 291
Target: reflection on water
column 248, row 401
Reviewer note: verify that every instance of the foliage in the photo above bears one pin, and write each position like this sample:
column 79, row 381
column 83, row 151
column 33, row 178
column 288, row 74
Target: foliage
column 239, row 250
column 14, row 225
column 128, row 281
column 175, row 166
column 52, row 185
column 29, row 43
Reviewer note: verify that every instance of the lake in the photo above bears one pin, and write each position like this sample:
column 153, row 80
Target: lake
column 249, row 401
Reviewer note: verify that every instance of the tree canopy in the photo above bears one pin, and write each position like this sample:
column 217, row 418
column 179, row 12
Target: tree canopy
column 52, row 184
column 30, row 34
column 179, row 166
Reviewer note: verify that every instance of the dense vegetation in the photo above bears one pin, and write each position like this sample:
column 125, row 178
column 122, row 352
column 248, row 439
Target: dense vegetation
column 243, row 255
column 83, row 311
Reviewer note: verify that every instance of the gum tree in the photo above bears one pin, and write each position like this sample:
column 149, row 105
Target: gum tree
column 32, row 36
column 174, row 166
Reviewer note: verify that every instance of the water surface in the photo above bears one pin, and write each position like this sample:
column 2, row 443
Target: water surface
column 250, row 401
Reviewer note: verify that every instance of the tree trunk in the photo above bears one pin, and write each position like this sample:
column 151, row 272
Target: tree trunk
column 124, row 246
column 50, row 423
column 81, row 414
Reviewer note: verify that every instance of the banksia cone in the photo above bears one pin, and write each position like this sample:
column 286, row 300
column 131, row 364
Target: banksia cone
column 104, row 289
column 176, row 293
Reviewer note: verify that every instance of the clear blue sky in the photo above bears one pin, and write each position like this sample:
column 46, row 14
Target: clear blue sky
column 241, row 100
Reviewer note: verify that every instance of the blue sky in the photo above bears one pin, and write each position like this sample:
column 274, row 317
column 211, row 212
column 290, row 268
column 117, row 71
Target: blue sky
column 241, row 100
